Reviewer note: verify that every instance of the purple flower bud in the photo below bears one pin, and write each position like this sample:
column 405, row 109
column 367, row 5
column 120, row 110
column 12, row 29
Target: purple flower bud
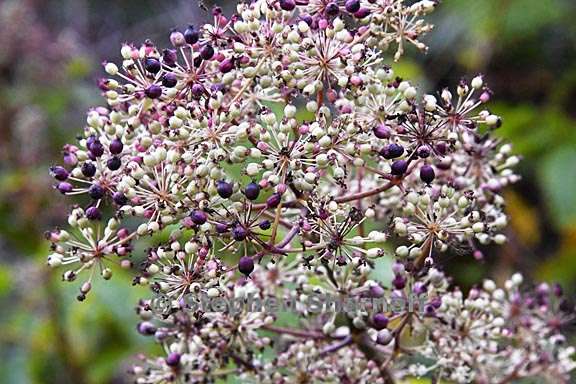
column 441, row 148
column 423, row 151
column 206, row 52
column 273, row 200
column 119, row 198
column 252, row 191
column 224, row 189
column 96, row 148
column 287, row 5
column 191, row 35
column 169, row 80
column 221, row 227
column 59, row 173
column 264, row 225
column 197, row 90
column 376, row 291
column 399, row 167
column 226, row 65
column 380, row 321
column 154, row 91
column 399, row 282
column 382, row 131
column 198, row 217
column 96, row 191
column 116, row 146
column 352, row 6
column 152, row 65
column 427, row 174
column 239, row 233
column 114, row 163
column 88, row 169
column 429, row 310
column 93, row 213
column 64, row 187
column 392, row 151
column 332, row 9
column 362, row 13
column 169, row 57
column 173, row 359
column 246, row 265
column 146, row 328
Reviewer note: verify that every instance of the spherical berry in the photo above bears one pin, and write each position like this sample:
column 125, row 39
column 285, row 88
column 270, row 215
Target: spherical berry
column 427, row 174
column 380, row 321
column 399, row 282
column 382, row 131
column 169, row 80
column 152, row 65
column 206, row 52
column 264, row 225
column 362, row 13
column 273, row 200
column 96, row 148
column 64, row 187
column 191, row 35
column 332, row 9
column 239, row 233
column 198, row 217
column 116, row 146
column 119, row 198
column 287, row 5
column 224, row 189
column 352, row 6
column 114, row 163
column 226, row 65
column 197, row 90
column 59, row 173
column 399, row 167
column 88, row 169
column 173, row 359
column 252, row 191
column 96, row 191
column 169, row 57
column 154, row 91
column 246, row 265
column 423, row 151
column 392, row 151
column 93, row 213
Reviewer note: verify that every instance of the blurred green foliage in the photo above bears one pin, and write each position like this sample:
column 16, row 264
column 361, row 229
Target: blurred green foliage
column 49, row 59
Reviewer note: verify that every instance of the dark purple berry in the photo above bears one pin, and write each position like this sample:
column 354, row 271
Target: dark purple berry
column 88, row 169
column 116, row 147
column 59, row 173
column 154, row 91
column 226, row 65
column 96, row 191
column 399, row 282
column 224, row 189
column 119, row 198
column 169, row 80
column 287, row 5
column 273, row 200
column 362, row 13
column 427, row 174
column 169, row 57
column 429, row 310
column 252, row 191
column 64, row 187
column 332, row 9
column 198, row 217
column 264, row 225
column 197, row 90
column 399, row 167
column 221, row 227
column 206, row 52
column 246, row 265
column 380, row 321
column 93, row 213
column 96, row 148
column 239, row 233
column 173, row 359
column 423, row 151
column 382, row 131
column 191, row 35
column 152, row 65
column 146, row 328
column 392, row 151
column 352, row 6
column 114, row 163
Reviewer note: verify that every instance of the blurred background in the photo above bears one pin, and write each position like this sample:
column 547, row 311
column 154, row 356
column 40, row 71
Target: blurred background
column 50, row 55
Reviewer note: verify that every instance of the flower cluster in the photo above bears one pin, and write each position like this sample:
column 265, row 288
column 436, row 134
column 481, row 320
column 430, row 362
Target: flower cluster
column 279, row 156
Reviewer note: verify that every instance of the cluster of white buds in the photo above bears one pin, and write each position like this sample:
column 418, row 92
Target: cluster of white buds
column 274, row 154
